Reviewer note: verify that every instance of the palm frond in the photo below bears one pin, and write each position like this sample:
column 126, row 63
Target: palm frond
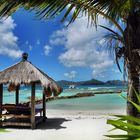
column 114, row 42
column 129, row 124
column 49, row 9
column 117, row 60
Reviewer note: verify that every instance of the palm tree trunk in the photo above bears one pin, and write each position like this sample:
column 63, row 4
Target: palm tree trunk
column 133, row 85
column 132, row 40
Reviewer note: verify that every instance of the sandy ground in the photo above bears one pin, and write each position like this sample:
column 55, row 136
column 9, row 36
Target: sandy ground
column 67, row 125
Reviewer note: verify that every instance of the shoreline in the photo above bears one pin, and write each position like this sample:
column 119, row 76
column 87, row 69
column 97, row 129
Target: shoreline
column 85, row 113
column 67, row 125
column 77, row 95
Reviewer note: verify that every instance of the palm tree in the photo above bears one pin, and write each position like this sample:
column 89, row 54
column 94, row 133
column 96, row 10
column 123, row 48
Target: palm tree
column 127, row 11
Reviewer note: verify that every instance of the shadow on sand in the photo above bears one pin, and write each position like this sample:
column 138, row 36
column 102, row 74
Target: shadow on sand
column 53, row 123
column 50, row 123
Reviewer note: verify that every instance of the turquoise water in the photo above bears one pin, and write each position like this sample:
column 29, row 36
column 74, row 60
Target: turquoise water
column 97, row 102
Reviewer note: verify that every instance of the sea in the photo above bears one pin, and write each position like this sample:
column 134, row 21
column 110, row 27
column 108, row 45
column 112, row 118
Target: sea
column 97, row 102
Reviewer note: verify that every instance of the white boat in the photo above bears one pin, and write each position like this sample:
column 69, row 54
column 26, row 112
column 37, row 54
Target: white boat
column 71, row 86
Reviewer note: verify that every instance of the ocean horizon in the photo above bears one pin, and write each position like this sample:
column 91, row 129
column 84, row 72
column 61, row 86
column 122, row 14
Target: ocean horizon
column 97, row 102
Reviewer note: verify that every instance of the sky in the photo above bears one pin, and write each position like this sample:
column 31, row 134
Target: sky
column 75, row 52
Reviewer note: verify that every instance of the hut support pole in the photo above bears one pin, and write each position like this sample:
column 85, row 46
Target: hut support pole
column 33, row 125
column 44, row 106
column 1, row 101
column 17, row 95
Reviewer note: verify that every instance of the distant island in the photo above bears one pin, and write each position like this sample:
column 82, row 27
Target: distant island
column 91, row 82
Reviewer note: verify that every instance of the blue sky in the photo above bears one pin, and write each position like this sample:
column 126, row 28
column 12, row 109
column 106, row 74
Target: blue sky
column 75, row 52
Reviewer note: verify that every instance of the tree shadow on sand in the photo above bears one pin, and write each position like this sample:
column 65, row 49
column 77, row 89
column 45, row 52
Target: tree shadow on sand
column 52, row 123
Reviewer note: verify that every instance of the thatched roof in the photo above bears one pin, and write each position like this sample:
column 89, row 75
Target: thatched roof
column 26, row 73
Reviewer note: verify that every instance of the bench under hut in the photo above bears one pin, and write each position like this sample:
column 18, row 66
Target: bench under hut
column 25, row 73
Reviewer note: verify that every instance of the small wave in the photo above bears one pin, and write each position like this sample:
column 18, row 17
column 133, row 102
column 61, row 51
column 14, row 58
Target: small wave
column 93, row 88
column 8, row 95
column 25, row 89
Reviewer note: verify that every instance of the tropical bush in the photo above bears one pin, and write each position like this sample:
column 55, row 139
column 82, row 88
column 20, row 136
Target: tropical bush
column 128, row 124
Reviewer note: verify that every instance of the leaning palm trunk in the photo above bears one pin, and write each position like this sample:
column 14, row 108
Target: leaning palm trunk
column 133, row 86
column 132, row 40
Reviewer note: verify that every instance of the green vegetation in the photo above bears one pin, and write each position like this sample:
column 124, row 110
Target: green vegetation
column 3, row 130
column 128, row 124
column 91, row 82
column 116, row 82
column 123, row 123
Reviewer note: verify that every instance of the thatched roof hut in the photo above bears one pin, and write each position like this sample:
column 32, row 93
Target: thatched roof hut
column 25, row 73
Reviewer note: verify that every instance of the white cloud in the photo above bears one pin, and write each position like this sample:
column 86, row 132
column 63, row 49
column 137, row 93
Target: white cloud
column 27, row 42
column 58, row 38
column 47, row 49
column 100, row 68
column 116, row 71
column 8, row 41
column 82, row 46
column 28, row 45
column 71, row 74
column 38, row 42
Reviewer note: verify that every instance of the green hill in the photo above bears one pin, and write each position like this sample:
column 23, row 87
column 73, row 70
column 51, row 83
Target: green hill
column 91, row 82
column 116, row 82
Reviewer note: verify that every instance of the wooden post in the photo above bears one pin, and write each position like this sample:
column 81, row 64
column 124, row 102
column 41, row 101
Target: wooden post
column 1, row 102
column 17, row 95
column 33, row 125
column 44, row 106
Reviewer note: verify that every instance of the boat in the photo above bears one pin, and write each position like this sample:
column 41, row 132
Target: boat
column 72, row 86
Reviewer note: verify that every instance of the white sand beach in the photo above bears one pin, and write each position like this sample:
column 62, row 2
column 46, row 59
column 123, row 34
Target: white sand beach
column 67, row 125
